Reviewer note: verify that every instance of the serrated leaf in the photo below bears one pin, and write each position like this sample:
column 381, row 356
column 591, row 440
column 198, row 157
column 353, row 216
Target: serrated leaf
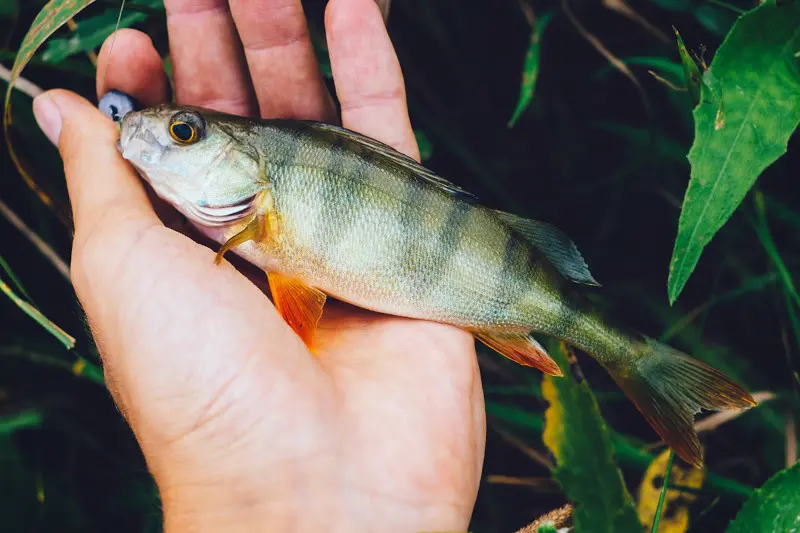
column 756, row 77
column 773, row 507
column 581, row 443
column 530, row 71
column 89, row 34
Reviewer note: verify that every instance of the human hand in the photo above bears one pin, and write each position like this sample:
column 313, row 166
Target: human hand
column 243, row 428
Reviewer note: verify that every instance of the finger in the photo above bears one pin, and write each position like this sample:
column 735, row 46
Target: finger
column 102, row 187
column 208, row 63
column 129, row 62
column 284, row 69
column 369, row 82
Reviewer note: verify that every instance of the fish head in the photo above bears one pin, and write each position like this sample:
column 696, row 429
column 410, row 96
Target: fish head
column 197, row 160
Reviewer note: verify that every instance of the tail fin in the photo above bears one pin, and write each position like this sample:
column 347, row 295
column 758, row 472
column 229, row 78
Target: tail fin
column 669, row 387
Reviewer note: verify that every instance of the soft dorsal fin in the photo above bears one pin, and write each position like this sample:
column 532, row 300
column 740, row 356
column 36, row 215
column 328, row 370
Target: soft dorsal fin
column 554, row 244
column 394, row 157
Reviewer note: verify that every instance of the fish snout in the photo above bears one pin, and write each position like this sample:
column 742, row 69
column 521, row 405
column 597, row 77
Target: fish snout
column 137, row 142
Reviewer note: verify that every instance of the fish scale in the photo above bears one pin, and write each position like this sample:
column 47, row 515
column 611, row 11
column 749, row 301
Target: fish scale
column 326, row 211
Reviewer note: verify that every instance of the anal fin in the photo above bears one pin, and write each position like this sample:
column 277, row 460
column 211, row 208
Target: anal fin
column 299, row 305
column 522, row 349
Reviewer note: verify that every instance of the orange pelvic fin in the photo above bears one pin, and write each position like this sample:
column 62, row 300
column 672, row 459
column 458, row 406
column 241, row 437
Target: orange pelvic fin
column 299, row 305
column 522, row 349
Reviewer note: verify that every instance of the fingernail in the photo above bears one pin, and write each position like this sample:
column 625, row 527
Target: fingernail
column 48, row 116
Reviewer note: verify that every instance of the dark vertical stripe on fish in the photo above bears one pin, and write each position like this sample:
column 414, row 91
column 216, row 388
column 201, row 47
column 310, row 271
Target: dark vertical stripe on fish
column 449, row 244
column 516, row 261
column 415, row 261
column 339, row 225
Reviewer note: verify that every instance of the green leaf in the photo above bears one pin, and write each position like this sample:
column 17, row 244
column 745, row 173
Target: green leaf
column 581, row 442
column 773, row 507
column 52, row 16
column 23, row 420
column 425, row 145
column 755, row 76
column 530, row 71
column 89, row 34
column 692, row 76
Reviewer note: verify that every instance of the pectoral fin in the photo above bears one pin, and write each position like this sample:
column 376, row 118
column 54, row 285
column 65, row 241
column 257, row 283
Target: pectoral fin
column 299, row 305
column 522, row 349
column 252, row 232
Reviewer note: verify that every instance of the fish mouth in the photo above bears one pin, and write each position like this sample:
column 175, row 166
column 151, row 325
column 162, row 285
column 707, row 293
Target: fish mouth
column 206, row 215
column 221, row 215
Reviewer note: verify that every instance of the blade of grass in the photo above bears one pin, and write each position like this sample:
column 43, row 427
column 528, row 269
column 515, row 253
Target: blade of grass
column 53, row 15
column 663, row 494
column 14, row 279
column 37, row 241
column 81, row 367
column 530, row 71
column 63, row 337
column 22, row 420
column 792, row 300
column 764, row 235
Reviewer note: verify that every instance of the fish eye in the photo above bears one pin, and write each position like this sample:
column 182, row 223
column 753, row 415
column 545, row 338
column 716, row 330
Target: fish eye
column 182, row 132
column 187, row 127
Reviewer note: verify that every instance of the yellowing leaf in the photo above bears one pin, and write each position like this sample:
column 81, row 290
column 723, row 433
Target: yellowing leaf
column 530, row 72
column 52, row 16
column 581, row 442
column 675, row 511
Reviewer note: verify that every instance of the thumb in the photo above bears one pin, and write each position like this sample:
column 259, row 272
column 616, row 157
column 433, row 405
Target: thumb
column 100, row 183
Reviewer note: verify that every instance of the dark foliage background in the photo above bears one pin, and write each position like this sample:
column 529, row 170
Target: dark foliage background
column 599, row 157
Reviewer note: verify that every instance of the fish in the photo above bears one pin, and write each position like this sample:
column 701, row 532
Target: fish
column 328, row 212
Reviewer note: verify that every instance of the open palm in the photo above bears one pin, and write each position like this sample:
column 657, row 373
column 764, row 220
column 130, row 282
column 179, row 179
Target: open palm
column 242, row 427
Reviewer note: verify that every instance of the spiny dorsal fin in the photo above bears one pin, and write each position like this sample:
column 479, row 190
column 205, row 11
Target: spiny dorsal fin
column 554, row 244
column 394, row 157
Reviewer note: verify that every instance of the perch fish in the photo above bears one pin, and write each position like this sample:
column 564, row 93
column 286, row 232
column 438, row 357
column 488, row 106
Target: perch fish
column 325, row 211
